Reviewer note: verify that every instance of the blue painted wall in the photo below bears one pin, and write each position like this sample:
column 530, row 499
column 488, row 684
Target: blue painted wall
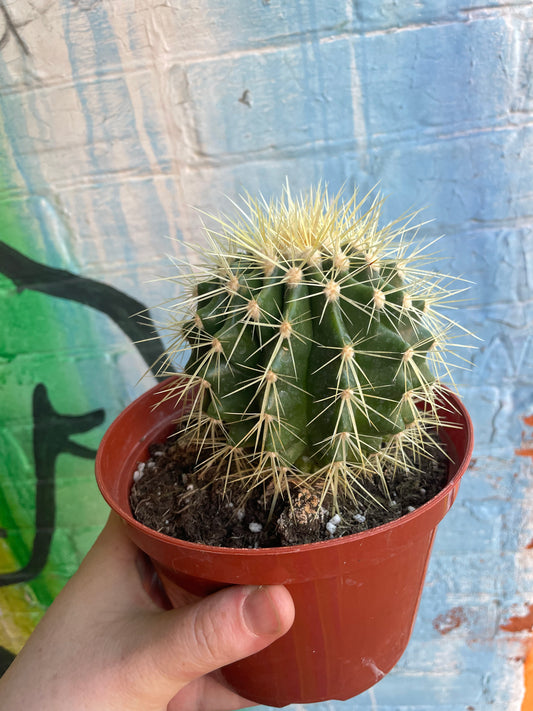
column 118, row 120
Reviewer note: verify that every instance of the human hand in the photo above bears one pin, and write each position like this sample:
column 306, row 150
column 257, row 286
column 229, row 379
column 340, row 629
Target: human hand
column 108, row 644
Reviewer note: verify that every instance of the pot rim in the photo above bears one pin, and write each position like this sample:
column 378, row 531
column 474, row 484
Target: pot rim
column 127, row 516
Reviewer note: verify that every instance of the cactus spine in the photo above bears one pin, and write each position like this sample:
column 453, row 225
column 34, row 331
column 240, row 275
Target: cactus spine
column 313, row 333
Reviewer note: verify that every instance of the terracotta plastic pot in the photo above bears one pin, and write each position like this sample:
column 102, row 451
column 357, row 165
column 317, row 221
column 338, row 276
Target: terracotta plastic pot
column 356, row 597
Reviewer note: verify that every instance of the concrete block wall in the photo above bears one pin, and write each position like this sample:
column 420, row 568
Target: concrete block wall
column 120, row 120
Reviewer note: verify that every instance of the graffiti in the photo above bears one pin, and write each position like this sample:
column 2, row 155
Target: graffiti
column 246, row 98
column 6, row 657
column 52, row 431
column 28, row 274
column 10, row 30
column 51, row 437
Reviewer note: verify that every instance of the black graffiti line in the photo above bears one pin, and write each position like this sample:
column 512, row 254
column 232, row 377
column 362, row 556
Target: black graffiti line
column 51, row 437
column 11, row 28
column 6, row 657
column 26, row 273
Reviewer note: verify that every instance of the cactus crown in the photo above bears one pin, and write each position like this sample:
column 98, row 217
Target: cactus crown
column 314, row 333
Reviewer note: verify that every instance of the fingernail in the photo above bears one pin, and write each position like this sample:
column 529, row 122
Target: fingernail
column 260, row 613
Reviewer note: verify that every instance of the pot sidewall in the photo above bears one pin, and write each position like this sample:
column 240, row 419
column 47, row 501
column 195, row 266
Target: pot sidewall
column 356, row 597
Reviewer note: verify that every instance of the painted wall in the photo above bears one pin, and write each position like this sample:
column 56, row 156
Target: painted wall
column 119, row 119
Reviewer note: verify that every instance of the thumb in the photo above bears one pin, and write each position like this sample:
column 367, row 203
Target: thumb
column 187, row 643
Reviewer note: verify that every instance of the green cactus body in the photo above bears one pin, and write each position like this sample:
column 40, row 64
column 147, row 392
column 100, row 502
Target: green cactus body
column 310, row 343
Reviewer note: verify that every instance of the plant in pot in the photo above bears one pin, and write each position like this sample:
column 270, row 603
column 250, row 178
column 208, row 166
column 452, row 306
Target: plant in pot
column 310, row 427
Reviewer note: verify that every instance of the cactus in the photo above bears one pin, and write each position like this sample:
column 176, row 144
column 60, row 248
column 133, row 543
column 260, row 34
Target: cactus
column 313, row 335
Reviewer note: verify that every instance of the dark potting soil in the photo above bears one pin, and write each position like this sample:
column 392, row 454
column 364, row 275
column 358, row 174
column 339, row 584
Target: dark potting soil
column 167, row 497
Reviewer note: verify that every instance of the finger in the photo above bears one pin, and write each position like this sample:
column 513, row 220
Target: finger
column 208, row 693
column 109, row 575
column 115, row 557
column 182, row 645
column 112, row 548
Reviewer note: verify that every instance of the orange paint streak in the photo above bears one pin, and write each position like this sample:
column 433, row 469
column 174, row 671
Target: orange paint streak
column 527, row 702
column 527, row 452
column 520, row 623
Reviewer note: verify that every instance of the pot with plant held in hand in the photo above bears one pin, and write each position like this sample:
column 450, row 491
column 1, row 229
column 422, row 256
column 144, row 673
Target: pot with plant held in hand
column 313, row 340
column 356, row 597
